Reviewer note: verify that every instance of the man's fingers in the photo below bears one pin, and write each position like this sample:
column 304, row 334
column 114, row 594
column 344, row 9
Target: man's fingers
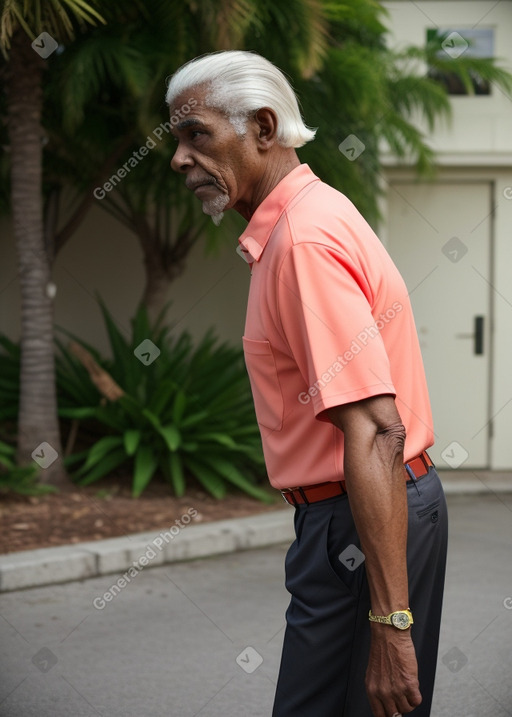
column 410, row 700
column 402, row 705
column 395, row 705
column 377, row 707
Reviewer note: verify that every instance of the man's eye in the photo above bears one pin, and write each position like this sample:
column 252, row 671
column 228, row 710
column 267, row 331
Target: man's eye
column 195, row 133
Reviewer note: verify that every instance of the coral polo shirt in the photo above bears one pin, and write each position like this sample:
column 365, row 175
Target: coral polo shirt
column 328, row 322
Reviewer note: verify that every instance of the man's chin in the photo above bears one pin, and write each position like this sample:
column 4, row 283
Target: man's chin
column 215, row 208
column 217, row 218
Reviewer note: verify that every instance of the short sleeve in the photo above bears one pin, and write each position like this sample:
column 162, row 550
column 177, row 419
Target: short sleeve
column 325, row 311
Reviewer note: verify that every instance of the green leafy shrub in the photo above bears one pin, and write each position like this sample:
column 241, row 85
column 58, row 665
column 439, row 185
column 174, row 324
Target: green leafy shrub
column 187, row 412
column 19, row 479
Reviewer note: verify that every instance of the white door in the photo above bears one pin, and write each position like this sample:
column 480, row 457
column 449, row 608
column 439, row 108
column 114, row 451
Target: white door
column 439, row 236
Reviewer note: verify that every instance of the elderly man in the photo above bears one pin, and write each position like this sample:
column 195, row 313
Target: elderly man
column 340, row 397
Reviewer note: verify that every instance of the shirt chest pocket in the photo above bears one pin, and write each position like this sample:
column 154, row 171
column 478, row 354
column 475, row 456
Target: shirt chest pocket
column 266, row 391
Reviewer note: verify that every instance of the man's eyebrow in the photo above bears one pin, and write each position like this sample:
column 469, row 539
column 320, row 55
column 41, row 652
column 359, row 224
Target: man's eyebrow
column 190, row 122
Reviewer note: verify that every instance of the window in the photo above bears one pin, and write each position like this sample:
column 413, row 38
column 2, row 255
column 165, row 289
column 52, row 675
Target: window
column 452, row 43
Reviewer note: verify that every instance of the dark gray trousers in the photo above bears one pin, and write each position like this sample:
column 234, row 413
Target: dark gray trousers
column 326, row 643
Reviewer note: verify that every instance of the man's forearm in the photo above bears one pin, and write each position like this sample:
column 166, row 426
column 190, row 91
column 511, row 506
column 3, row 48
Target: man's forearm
column 374, row 476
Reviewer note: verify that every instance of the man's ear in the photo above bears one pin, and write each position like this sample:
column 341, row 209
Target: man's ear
column 266, row 127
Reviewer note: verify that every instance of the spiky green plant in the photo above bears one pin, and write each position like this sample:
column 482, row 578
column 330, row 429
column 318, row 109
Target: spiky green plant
column 188, row 412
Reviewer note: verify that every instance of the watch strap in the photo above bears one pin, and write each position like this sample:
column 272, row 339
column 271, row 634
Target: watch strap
column 388, row 619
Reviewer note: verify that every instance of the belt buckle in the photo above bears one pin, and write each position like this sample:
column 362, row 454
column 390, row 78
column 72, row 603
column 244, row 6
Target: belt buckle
column 288, row 490
column 291, row 490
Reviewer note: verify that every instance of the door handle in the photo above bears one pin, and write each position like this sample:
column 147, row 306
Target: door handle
column 477, row 336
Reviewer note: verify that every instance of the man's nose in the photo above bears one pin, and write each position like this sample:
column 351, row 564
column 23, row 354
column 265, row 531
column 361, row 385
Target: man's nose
column 181, row 160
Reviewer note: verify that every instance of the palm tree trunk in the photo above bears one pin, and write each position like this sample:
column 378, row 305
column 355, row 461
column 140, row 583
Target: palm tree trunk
column 157, row 279
column 38, row 421
column 156, row 289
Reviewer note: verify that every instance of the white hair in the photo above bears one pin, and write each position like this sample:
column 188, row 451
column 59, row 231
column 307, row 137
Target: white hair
column 240, row 83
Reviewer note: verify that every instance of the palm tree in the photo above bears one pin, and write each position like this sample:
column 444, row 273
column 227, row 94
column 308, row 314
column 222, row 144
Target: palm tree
column 21, row 24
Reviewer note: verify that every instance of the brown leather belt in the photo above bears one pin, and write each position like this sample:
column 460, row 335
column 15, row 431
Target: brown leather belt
column 414, row 470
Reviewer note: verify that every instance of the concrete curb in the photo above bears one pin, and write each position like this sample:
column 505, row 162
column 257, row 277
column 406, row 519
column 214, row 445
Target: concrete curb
column 47, row 566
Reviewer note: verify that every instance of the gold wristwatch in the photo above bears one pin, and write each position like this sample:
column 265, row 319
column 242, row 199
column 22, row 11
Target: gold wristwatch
column 402, row 619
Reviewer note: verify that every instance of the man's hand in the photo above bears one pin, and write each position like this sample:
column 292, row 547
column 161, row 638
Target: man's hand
column 392, row 674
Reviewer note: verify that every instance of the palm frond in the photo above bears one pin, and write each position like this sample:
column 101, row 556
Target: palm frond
column 60, row 18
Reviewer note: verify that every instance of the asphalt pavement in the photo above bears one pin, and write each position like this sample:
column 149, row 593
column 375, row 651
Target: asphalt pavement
column 203, row 638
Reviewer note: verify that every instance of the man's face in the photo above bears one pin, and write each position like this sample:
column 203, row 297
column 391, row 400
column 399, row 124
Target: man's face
column 219, row 164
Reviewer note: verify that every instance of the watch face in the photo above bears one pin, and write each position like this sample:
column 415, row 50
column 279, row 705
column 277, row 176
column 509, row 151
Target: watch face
column 401, row 620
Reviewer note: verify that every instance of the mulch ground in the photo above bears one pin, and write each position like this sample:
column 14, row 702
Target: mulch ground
column 107, row 510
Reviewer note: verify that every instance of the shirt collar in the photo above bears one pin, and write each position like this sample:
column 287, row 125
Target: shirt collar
column 257, row 233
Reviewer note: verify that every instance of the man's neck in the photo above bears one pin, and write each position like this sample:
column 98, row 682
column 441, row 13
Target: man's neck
column 281, row 165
